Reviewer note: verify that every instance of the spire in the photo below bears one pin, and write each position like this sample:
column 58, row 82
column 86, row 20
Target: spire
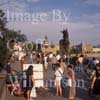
column 46, row 43
column 46, row 38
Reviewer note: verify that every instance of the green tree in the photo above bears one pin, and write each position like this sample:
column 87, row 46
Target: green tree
column 3, row 21
column 11, row 34
column 5, row 36
column 4, row 52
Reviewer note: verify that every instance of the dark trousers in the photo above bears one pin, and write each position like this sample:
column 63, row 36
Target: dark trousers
column 54, row 66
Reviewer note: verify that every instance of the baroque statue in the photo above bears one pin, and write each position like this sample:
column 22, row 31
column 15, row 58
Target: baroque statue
column 64, row 42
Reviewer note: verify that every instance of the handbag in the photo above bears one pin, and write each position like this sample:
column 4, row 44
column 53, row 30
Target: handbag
column 69, row 82
column 63, row 80
column 33, row 92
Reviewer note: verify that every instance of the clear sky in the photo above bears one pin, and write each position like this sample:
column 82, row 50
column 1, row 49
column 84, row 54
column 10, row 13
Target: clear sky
column 80, row 17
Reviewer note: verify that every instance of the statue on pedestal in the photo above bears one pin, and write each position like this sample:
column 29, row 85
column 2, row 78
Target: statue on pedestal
column 64, row 43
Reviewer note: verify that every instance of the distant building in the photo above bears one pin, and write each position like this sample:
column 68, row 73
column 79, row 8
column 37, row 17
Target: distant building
column 49, row 47
column 96, row 49
column 84, row 48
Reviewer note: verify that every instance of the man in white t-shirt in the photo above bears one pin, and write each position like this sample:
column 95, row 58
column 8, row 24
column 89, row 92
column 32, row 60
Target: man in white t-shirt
column 58, row 57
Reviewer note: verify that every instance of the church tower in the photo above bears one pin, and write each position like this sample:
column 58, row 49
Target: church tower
column 46, row 42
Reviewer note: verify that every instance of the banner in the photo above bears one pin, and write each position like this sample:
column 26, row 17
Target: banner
column 37, row 73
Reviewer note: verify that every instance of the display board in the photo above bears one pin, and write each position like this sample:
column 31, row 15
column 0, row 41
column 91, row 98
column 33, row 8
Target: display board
column 37, row 73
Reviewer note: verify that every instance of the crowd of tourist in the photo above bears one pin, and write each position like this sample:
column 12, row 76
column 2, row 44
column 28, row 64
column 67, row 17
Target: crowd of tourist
column 61, row 69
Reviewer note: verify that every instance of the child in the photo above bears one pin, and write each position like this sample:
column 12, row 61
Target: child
column 15, row 87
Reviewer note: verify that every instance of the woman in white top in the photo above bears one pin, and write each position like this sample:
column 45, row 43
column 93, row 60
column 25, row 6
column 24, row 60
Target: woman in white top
column 58, row 77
